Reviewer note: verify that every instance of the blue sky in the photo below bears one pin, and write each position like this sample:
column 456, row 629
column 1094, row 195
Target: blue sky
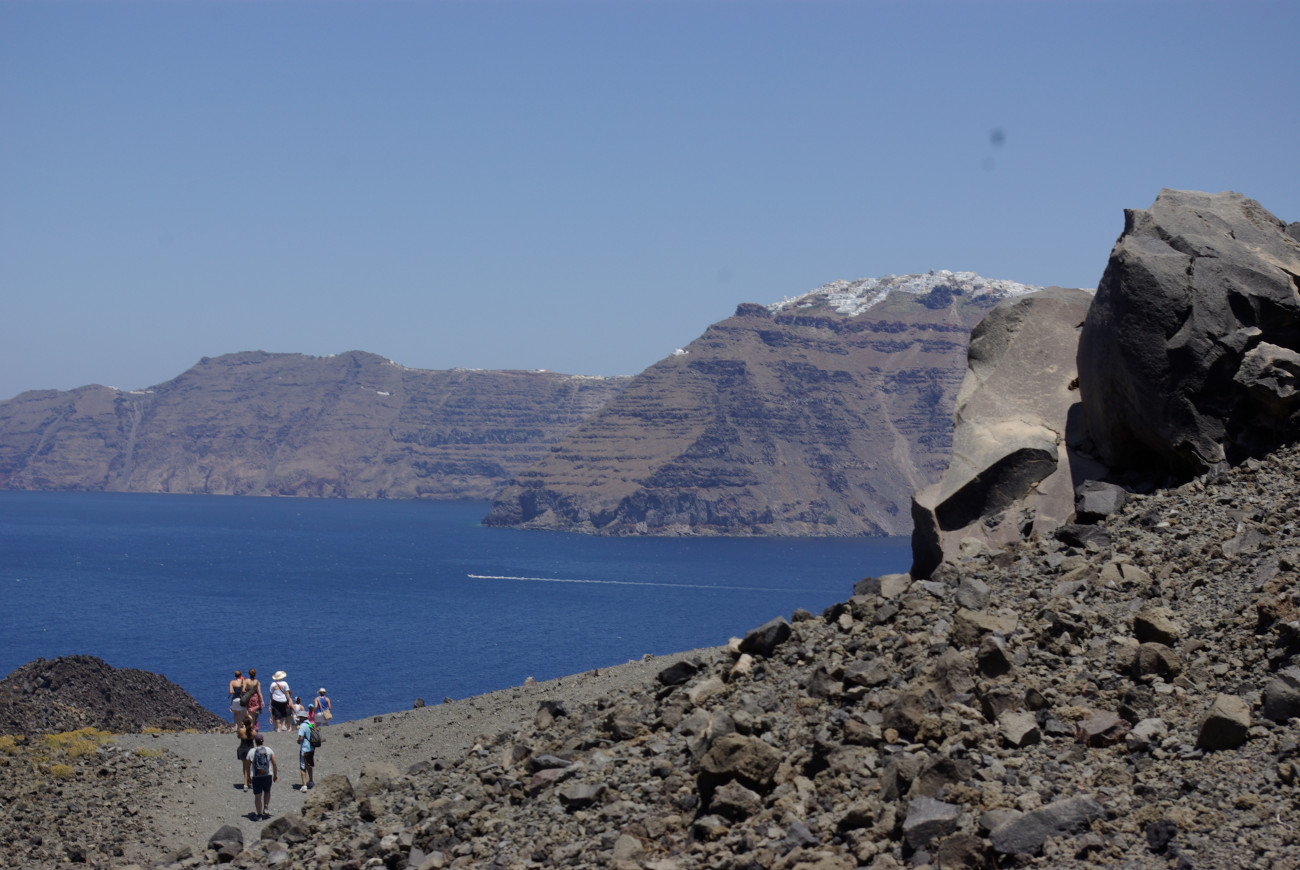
column 581, row 186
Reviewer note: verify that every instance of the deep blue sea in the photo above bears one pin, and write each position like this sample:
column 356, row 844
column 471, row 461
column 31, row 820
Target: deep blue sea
column 381, row 602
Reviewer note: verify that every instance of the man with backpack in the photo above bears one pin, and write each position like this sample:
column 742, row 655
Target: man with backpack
column 265, row 772
column 308, row 739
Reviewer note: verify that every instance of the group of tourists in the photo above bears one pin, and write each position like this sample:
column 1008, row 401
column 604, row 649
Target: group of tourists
column 288, row 713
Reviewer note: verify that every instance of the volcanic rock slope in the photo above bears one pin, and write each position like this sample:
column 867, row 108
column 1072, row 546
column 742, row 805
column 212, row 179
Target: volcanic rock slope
column 818, row 415
column 82, row 691
column 352, row 425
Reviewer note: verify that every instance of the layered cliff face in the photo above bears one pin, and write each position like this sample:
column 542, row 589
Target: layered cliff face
column 818, row 415
column 353, row 425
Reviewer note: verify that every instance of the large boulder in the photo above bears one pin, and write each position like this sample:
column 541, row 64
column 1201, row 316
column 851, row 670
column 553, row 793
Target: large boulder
column 1013, row 468
column 1190, row 354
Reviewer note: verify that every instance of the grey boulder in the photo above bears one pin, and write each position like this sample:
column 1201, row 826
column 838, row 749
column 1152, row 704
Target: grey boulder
column 1012, row 469
column 1189, row 354
column 1026, row 834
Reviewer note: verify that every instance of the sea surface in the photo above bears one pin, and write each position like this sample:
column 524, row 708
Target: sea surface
column 381, row 602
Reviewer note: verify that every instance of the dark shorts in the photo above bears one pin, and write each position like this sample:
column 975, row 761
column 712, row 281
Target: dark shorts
column 245, row 746
column 280, row 709
column 262, row 784
column 306, row 760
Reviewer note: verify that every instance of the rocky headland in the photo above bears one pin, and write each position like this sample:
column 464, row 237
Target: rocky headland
column 352, row 425
column 817, row 415
column 1116, row 686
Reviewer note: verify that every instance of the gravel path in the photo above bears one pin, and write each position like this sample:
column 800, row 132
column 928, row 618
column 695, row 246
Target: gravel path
column 209, row 793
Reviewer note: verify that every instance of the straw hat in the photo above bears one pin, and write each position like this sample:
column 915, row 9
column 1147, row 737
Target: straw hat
column 279, row 675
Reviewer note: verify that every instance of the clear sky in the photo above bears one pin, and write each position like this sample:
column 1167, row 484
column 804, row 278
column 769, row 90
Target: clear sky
column 582, row 186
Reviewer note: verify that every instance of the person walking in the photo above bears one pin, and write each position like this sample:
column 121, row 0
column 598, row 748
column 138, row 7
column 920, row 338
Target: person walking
column 253, row 691
column 244, row 730
column 236, row 703
column 322, row 706
column 280, row 713
column 266, row 772
column 306, row 751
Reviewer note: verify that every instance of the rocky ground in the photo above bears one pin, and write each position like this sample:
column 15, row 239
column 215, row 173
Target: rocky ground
column 1120, row 695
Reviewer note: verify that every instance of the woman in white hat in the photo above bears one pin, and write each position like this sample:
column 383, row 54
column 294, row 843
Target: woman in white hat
column 280, row 713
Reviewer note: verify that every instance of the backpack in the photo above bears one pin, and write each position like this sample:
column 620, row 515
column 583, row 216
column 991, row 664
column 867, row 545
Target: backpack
column 314, row 737
column 245, row 694
column 261, row 761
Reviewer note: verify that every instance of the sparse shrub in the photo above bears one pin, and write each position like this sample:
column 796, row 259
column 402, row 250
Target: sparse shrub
column 61, row 771
column 144, row 752
column 9, row 744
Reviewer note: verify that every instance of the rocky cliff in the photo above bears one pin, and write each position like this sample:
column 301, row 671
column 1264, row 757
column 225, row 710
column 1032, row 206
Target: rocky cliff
column 352, row 425
column 818, row 415
column 1187, row 359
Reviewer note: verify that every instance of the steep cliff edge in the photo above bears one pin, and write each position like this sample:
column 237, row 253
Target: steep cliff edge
column 352, row 425
column 818, row 415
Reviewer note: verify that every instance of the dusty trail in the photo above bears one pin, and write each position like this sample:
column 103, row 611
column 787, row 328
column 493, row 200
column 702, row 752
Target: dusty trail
column 208, row 794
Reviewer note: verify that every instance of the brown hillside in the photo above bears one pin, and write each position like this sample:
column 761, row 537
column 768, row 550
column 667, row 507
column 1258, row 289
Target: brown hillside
column 353, row 425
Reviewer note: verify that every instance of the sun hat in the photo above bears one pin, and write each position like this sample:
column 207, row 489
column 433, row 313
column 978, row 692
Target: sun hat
column 279, row 675
column 320, row 691
column 300, row 714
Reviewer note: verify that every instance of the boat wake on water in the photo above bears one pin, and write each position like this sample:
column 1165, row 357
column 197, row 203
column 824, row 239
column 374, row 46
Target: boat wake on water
column 633, row 583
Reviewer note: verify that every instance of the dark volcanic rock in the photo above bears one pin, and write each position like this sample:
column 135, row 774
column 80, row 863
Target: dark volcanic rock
column 816, row 416
column 1189, row 355
column 353, row 425
column 72, row 692
column 1027, row 834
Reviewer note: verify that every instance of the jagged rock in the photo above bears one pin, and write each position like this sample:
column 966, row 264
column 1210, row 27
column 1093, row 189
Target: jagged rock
column 1019, row 728
column 547, row 712
column 972, row 593
column 1157, row 659
column 928, row 820
column 1282, row 698
column 962, row 851
column 764, row 640
column 1013, row 467
column 581, row 795
column 869, row 674
column 1027, row 834
column 1082, row 536
column 970, row 626
column 676, row 675
column 227, row 842
column 1226, row 725
column 1187, row 354
column 992, row 657
column 1160, row 834
column 1146, row 734
column 746, row 760
column 1102, row 729
column 1094, row 500
column 733, row 801
column 893, row 586
column 288, row 828
column 939, row 774
column 1157, row 625
column 905, row 714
